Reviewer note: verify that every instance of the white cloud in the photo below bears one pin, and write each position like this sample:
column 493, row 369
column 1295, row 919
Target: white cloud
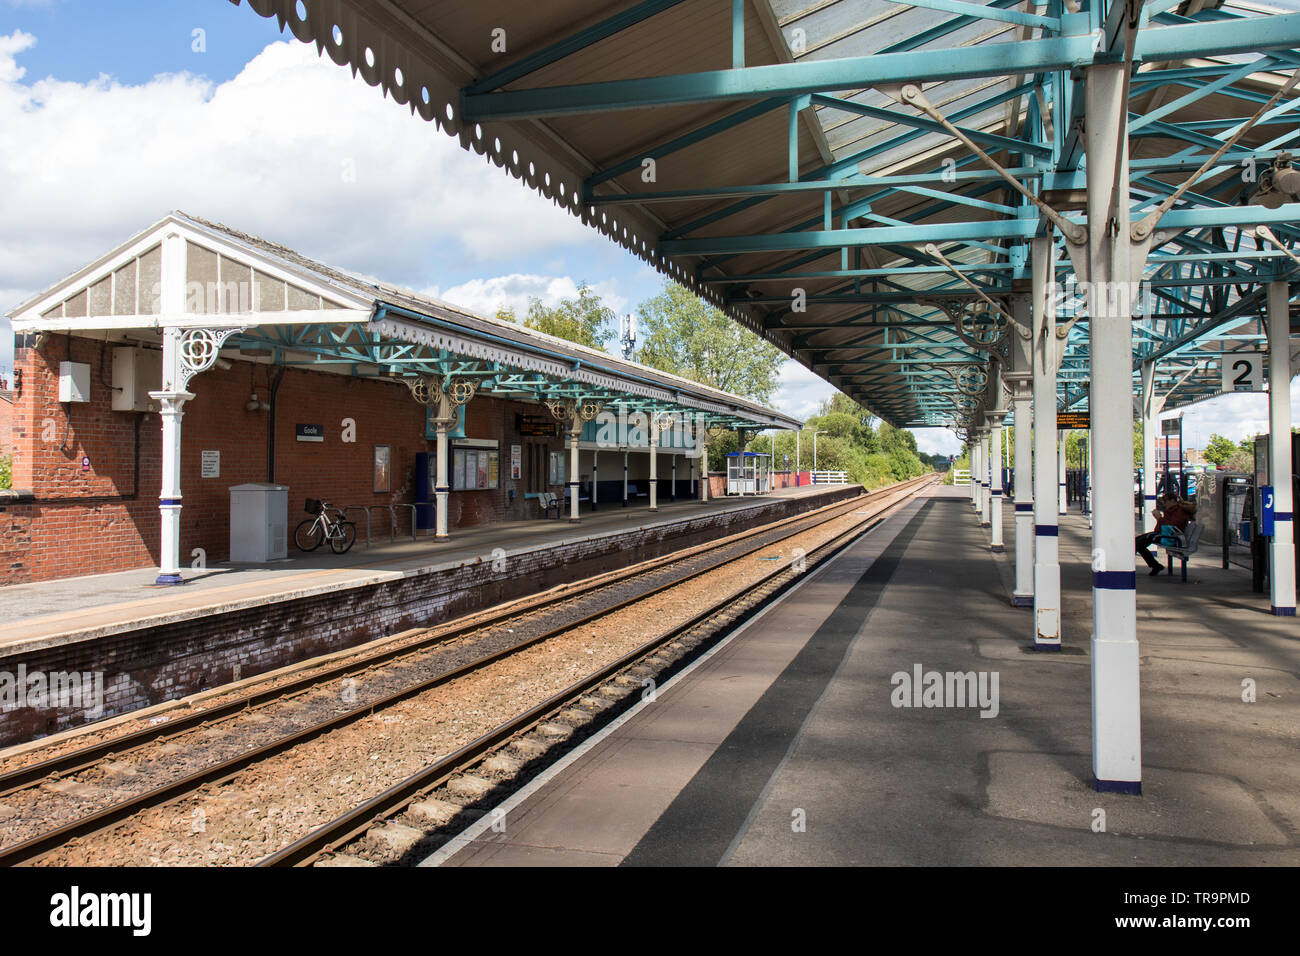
column 936, row 441
column 487, row 296
column 10, row 47
column 293, row 148
column 799, row 392
column 1233, row 416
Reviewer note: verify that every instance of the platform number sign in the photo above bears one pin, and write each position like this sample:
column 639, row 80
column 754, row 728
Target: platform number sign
column 1243, row 372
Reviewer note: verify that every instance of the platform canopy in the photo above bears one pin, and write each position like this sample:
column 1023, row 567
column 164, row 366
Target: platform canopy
column 269, row 304
column 769, row 155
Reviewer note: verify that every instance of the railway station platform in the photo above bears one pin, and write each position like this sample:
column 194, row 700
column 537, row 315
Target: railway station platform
column 234, row 621
column 794, row 743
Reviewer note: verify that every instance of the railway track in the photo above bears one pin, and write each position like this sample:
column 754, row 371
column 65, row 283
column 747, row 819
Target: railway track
column 392, row 675
column 614, row 586
column 351, row 827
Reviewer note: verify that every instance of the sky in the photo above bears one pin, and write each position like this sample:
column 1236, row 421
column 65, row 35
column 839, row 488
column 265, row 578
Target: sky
column 116, row 113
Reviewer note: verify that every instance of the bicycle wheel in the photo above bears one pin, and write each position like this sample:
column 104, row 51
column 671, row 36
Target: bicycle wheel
column 345, row 535
column 308, row 535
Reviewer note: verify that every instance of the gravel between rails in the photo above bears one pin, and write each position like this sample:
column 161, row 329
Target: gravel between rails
column 280, row 799
column 609, row 588
column 57, row 802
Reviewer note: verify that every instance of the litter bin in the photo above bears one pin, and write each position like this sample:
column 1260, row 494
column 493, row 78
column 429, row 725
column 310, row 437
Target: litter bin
column 259, row 522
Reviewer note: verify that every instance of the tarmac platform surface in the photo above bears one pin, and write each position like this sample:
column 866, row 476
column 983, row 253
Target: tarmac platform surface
column 784, row 745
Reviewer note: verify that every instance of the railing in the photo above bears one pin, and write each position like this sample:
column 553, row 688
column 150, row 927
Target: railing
column 829, row 477
column 961, row 476
column 392, row 519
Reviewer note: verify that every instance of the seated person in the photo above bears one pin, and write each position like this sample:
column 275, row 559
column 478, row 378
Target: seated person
column 1170, row 513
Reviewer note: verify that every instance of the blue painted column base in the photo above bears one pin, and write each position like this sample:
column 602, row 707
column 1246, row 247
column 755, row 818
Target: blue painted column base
column 1133, row 787
column 1284, row 611
column 997, row 548
column 1047, row 647
column 1022, row 600
column 169, row 579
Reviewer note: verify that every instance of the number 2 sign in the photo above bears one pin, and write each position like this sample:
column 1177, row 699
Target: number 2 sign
column 1243, row 371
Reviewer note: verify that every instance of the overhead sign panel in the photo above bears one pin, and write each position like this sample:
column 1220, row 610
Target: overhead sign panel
column 1243, row 372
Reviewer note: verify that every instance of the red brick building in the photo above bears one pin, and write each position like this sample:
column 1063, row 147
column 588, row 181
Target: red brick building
column 277, row 369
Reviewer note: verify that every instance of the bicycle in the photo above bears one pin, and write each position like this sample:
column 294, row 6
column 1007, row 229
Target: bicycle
column 327, row 525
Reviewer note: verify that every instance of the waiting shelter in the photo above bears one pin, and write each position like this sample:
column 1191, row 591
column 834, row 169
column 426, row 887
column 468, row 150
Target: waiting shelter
column 289, row 372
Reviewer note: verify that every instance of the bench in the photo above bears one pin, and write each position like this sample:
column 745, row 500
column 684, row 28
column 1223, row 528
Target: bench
column 1181, row 545
column 634, row 491
column 547, row 500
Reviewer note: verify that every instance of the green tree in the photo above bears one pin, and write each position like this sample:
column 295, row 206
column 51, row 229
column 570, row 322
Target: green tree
column 6, row 471
column 1219, row 449
column 683, row 335
column 582, row 319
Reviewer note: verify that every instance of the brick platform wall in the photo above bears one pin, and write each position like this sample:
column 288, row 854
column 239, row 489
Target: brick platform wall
column 149, row 665
column 94, row 474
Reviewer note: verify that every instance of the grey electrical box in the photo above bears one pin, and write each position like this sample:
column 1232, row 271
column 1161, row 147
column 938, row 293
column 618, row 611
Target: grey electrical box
column 136, row 373
column 74, row 382
column 259, row 522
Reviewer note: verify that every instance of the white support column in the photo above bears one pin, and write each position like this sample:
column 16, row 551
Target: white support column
column 171, row 411
column 1062, row 496
column 995, row 492
column 1047, row 567
column 171, row 398
column 1281, row 563
column 976, row 470
column 986, row 474
column 672, row 491
column 185, row 354
column 704, row 469
column 624, row 477
column 1150, row 421
column 654, row 466
column 1087, row 496
column 1109, row 268
column 575, row 429
column 441, row 487
column 1023, row 473
column 970, row 449
column 595, row 477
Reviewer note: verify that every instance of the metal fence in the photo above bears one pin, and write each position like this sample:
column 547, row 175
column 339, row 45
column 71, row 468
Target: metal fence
column 829, row 477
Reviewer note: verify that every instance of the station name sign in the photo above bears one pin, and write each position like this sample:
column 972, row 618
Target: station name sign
column 309, row 432
column 1067, row 421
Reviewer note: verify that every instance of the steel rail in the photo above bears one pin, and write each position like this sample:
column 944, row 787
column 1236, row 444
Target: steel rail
column 347, row 826
column 85, row 757
column 29, row 850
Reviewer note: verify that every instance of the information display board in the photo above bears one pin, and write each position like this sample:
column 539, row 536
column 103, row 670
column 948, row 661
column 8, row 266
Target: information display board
column 475, row 465
column 1070, row 421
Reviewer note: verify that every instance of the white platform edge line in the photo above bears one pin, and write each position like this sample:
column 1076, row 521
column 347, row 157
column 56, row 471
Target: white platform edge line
column 479, row 826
